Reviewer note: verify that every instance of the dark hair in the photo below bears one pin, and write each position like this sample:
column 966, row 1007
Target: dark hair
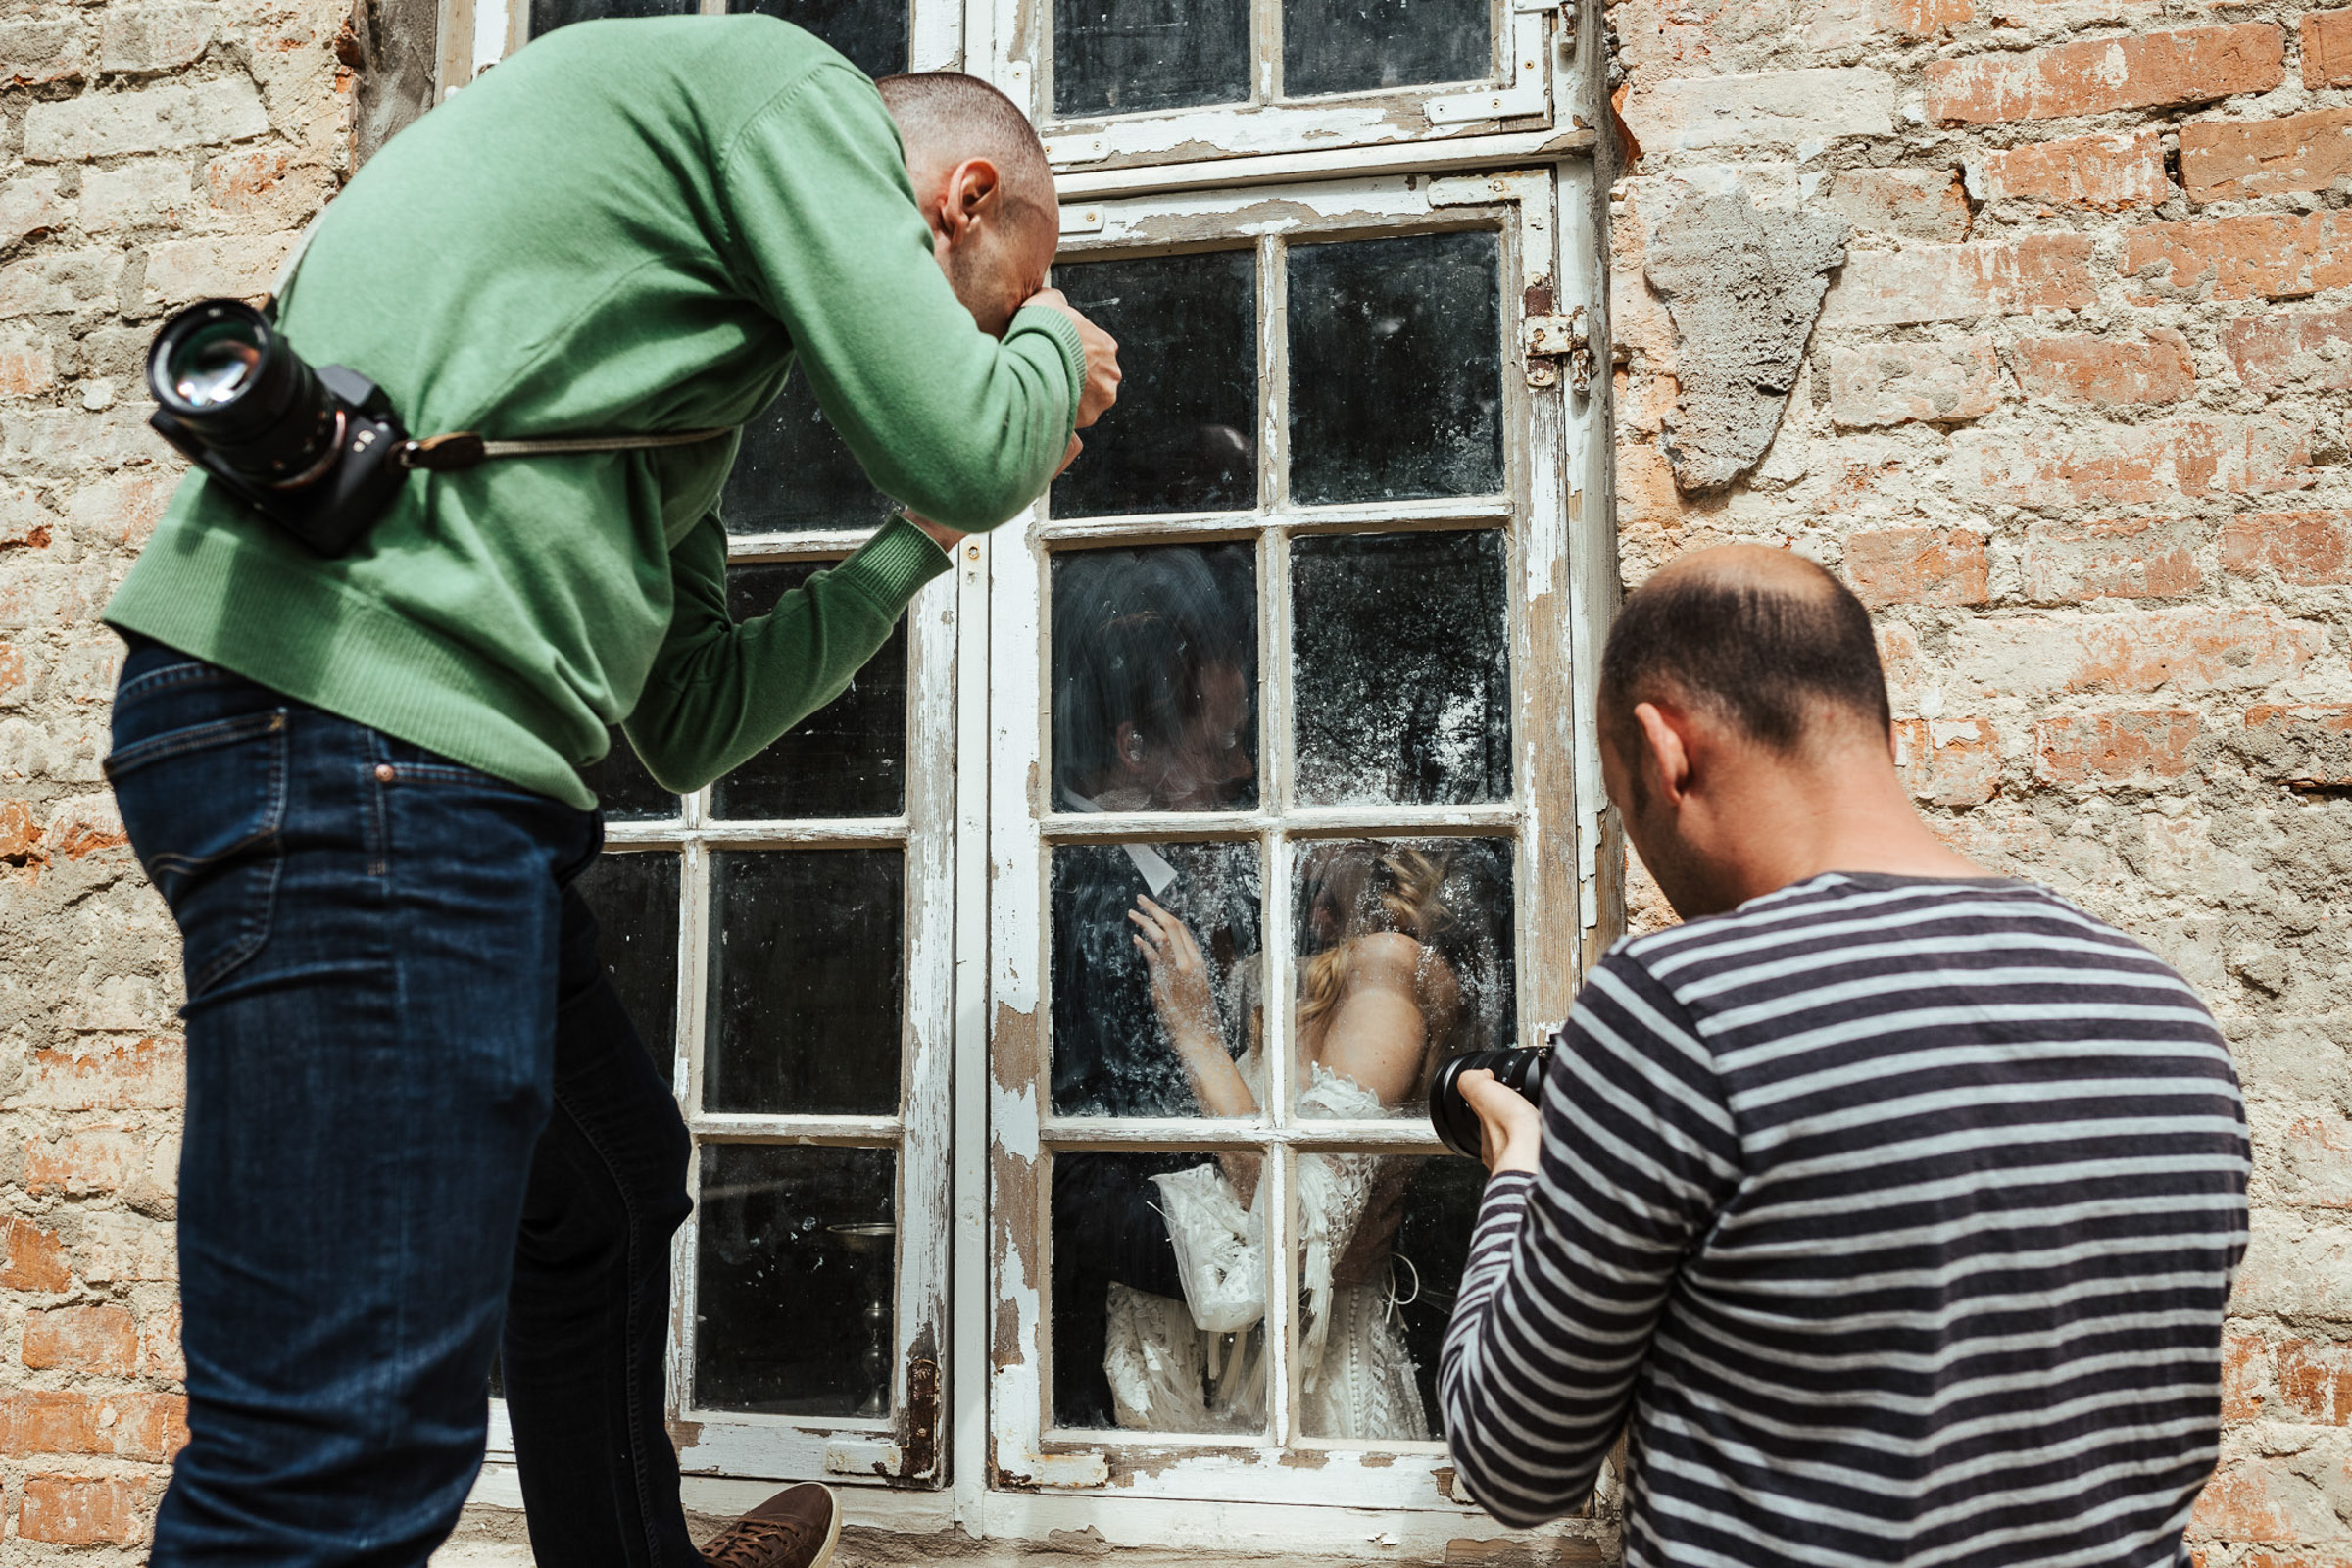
column 1135, row 634
column 1769, row 656
column 952, row 113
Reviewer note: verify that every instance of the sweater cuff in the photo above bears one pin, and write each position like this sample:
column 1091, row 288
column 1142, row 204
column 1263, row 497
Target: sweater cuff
column 1058, row 325
column 893, row 565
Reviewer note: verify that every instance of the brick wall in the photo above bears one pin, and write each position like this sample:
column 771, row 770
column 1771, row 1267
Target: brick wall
column 155, row 154
column 2073, row 419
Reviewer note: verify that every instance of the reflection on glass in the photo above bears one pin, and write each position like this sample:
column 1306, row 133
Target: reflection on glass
column 1155, row 679
column 1118, row 1050
column 793, row 473
column 1405, row 958
column 1180, row 439
column 1400, row 668
column 872, row 36
column 805, row 994
column 623, row 788
column 793, row 1274
column 634, row 898
column 1396, row 367
column 1363, row 45
column 1121, row 57
column 849, row 758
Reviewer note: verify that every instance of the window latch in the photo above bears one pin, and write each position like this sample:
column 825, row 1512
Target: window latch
column 1545, row 340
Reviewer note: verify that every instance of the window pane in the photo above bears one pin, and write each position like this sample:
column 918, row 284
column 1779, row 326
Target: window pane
column 1363, row 45
column 794, row 1302
column 804, row 994
column 1128, row 1350
column 1182, row 436
column 1400, row 668
column 793, row 473
column 1121, row 57
column 549, row 14
column 624, row 789
column 1410, row 1247
column 1396, row 367
column 1405, row 958
column 849, row 758
column 872, row 35
column 1117, row 1050
column 635, row 901
column 1155, row 678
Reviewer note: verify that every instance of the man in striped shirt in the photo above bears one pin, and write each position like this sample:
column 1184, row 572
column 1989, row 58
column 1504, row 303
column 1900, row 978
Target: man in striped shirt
column 1889, row 1207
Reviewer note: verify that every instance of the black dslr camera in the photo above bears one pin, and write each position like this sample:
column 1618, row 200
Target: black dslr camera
column 1457, row 1124
column 318, row 452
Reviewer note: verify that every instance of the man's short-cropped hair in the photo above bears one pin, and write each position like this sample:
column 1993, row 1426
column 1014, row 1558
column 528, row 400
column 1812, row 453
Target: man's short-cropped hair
column 1776, row 653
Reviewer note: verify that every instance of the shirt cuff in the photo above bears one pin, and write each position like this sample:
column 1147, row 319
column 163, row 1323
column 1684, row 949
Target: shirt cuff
column 893, row 565
column 1058, row 325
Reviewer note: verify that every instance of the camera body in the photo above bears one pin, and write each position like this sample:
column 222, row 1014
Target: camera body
column 317, row 452
column 1451, row 1115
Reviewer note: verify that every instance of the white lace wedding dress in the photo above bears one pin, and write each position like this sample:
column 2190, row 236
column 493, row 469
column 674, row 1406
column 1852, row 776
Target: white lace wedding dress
column 1198, row 1364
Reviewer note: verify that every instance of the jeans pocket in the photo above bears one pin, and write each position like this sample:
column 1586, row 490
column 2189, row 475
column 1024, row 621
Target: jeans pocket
column 204, row 807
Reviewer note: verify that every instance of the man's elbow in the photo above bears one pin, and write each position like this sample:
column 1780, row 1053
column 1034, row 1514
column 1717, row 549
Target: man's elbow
column 1513, row 1500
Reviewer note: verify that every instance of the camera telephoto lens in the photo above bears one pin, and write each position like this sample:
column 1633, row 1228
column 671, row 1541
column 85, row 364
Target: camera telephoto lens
column 226, row 374
column 1451, row 1115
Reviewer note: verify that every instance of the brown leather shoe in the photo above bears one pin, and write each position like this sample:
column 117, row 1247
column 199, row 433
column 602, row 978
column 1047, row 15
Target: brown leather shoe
column 796, row 1528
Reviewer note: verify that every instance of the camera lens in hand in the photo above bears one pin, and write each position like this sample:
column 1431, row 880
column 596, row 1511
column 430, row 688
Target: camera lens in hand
column 228, row 376
column 1451, row 1115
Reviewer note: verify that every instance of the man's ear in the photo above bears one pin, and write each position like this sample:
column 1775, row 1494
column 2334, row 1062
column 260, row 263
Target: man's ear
column 1663, row 754
column 971, row 195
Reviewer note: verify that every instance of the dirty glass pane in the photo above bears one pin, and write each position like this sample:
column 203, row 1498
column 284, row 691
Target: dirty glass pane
column 1364, row 45
column 624, row 789
column 1127, row 1350
column 1400, row 668
column 873, row 35
column 1121, row 57
column 794, row 1309
column 804, row 994
column 1182, row 436
column 635, row 901
column 793, row 473
column 1155, row 679
column 1117, row 1050
column 1405, row 958
column 849, row 758
column 1427, row 1245
column 1396, row 367
column 549, row 14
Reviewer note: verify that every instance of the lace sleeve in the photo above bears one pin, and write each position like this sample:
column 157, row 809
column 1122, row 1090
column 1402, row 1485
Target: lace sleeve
column 1219, row 1245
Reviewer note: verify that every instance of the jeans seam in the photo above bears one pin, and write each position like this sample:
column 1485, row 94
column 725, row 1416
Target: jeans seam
column 195, row 738
column 186, row 673
column 253, row 927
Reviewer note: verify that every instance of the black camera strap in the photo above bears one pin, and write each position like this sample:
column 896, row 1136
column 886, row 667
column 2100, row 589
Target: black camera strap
column 463, row 449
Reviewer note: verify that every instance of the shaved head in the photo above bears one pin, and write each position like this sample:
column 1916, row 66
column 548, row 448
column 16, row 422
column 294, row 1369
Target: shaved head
column 1764, row 639
column 945, row 117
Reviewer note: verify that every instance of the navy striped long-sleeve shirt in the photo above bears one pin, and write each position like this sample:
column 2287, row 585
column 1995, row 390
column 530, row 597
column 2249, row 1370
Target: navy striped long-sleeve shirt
column 1896, row 1216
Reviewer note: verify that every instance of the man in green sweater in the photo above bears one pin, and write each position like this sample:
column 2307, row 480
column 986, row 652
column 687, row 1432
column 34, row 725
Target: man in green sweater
column 415, row 1108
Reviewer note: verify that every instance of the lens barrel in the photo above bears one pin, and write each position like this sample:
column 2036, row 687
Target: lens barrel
column 1451, row 1115
column 226, row 374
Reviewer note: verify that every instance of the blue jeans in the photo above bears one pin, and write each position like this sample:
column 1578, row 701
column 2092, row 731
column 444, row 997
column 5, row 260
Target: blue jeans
column 417, row 1113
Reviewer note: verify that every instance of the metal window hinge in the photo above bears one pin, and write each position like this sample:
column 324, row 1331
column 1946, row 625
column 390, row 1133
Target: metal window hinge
column 1545, row 340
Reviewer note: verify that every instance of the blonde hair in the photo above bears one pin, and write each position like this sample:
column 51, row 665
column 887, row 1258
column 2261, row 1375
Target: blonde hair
column 1384, row 888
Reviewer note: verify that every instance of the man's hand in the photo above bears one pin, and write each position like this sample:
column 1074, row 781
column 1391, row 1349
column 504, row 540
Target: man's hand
column 1101, row 387
column 1510, row 1131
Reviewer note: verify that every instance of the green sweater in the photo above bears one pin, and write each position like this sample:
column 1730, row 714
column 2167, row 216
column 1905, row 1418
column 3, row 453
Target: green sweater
column 630, row 225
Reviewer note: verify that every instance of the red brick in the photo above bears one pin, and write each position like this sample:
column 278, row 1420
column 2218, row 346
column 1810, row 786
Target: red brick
column 2081, row 367
column 2281, row 348
column 2190, row 649
column 147, row 1075
column 2313, row 1557
column 2261, row 1499
column 2108, row 172
column 1917, row 566
column 2130, row 558
column 96, row 1160
column 82, row 1510
column 1916, row 203
column 2269, row 257
column 1955, row 283
column 31, row 1258
column 2309, row 548
column 2194, row 66
column 12, row 668
column 2144, row 465
column 2237, row 159
column 2248, row 1363
column 1901, row 383
column 2316, row 1164
column 2303, row 745
column 2326, row 48
column 2314, row 1381
column 100, row 1339
column 158, row 1345
column 1948, row 762
column 150, row 1427
column 2138, row 747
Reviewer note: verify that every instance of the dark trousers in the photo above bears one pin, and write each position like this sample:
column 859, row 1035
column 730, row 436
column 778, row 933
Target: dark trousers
column 417, row 1119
